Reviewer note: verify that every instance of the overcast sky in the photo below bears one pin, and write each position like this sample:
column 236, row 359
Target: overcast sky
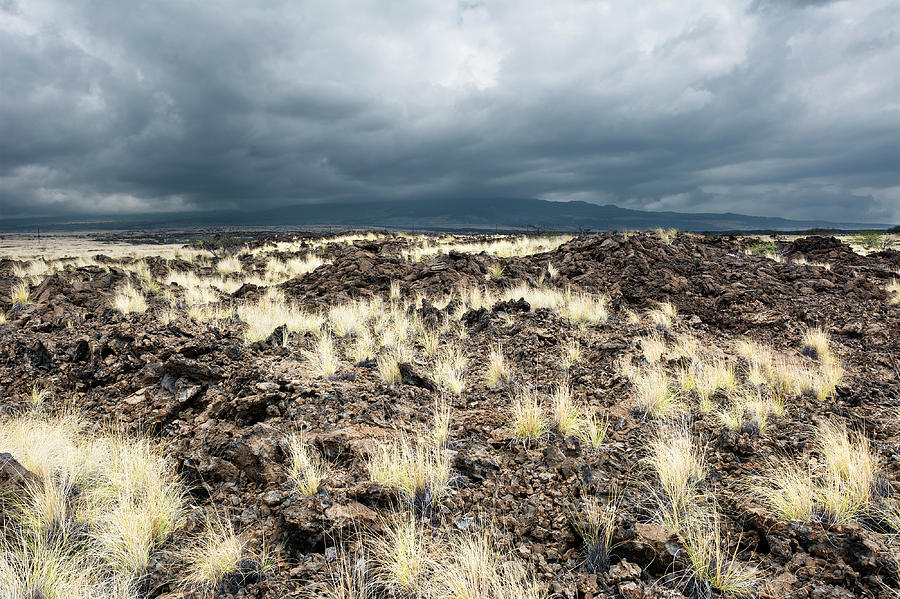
column 770, row 108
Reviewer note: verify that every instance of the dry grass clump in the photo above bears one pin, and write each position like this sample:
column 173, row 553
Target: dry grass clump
column 688, row 346
column 39, row 569
column 404, row 561
column 502, row 246
column 229, row 265
column 552, row 271
column 218, row 552
column 712, row 565
column 653, row 347
column 347, row 320
column 572, row 354
column 710, row 377
column 278, row 271
column 661, row 317
column 473, row 568
column 829, row 377
column 566, row 415
column 305, row 466
column 815, row 343
column 498, row 372
column 102, row 537
column 850, row 469
column 351, row 578
column 440, row 423
column 585, row 309
column 272, row 311
column 200, row 295
column 666, row 235
column 129, row 300
column 537, row 297
column 363, row 348
column 19, row 295
column 402, row 555
column 323, row 360
column 593, row 431
column 449, row 370
column 389, row 369
column 750, row 412
column 839, row 490
column 788, row 490
column 420, row 471
column 680, row 468
column 596, row 524
column 37, row 395
column 529, row 422
column 654, row 394
column 893, row 291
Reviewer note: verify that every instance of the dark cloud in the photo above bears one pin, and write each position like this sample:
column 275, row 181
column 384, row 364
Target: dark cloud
column 786, row 109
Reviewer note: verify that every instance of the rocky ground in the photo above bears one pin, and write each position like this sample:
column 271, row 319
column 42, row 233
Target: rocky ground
column 222, row 406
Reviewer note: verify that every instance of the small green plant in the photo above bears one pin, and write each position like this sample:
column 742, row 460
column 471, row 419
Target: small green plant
column 763, row 248
column 871, row 240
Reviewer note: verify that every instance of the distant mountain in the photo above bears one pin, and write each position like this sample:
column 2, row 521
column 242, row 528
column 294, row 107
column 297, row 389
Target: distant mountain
column 451, row 214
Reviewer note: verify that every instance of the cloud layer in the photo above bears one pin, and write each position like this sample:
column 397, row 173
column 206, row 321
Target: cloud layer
column 762, row 107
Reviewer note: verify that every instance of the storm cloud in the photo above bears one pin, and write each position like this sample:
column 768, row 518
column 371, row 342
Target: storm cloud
column 769, row 108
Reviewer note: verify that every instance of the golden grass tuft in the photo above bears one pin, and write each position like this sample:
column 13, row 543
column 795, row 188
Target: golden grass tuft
column 850, row 469
column 654, row 394
column 711, row 562
column 815, row 343
column 529, row 422
column 323, row 360
column 129, row 300
column 229, row 265
column 585, row 309
column 20, row 295
column 216, row 553
column 498, row 372
column 305, row 465
column 473, row 568
column 788, row 490
column 653, row 347
column 572, row 353
column 402, row 555
column 128, row 503
column 440, row 423
column 593, row 431
column 449, row 370
column 363, row 347
column 420, row 471
column 596, row 524
column 838, row 492
column 680, row 468
column 347, row 320
column 566, row 415
column 389, row 369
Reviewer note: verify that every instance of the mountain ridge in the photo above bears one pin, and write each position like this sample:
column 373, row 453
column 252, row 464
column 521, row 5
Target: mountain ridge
column 468, row 214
